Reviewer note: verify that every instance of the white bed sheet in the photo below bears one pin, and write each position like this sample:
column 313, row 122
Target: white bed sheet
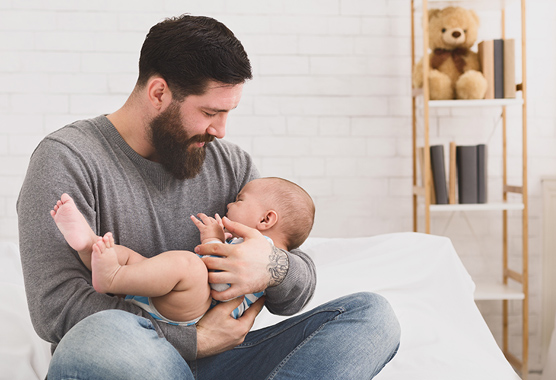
column 443, row 333
column 23, row 355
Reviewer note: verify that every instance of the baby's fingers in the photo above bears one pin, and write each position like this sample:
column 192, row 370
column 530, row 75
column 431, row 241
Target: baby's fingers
column 197, row 222
column 219, row 220
column 206, row 219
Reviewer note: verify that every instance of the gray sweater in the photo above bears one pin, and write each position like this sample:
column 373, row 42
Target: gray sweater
column 145, row 207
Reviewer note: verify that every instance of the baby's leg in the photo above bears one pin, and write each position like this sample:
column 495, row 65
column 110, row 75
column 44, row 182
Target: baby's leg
column 190, row 298
column 181, row 273
column 74, row 227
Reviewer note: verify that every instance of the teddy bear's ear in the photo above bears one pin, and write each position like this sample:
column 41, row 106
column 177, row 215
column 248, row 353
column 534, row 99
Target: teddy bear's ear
column 433, row 13
column 475, row 16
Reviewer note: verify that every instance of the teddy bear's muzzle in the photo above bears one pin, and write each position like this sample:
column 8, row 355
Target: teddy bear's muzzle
column 454, row 37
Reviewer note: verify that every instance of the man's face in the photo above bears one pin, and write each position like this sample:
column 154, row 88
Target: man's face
column 181, row 132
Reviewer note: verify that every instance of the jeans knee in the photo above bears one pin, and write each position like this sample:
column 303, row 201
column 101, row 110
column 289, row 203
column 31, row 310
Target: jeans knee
column 105, row 345
column 98, row 330
column 379, row 316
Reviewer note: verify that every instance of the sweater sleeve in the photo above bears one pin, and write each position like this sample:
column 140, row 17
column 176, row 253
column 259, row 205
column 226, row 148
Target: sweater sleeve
column 297, row 289
column 58, row 285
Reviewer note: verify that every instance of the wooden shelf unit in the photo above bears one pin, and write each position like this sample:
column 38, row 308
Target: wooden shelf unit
column 503, row 290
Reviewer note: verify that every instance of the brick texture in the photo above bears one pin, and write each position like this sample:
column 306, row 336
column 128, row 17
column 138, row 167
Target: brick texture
column 329, row 106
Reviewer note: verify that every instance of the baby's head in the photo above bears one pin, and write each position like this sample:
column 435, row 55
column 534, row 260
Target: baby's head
column 276, row 207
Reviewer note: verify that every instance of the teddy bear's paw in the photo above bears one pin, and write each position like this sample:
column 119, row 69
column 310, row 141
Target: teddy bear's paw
column 471, row 85
column 440, row 86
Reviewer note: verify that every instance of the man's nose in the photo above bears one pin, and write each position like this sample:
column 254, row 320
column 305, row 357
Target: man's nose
column 217, row 127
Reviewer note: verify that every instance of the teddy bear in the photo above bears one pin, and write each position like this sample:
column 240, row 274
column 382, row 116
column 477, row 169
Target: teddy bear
column 454, row 71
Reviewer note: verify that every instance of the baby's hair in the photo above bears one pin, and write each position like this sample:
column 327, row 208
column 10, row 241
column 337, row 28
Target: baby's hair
column 295, row 208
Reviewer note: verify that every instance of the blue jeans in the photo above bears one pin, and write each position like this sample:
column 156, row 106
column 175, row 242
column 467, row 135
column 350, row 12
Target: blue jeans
column 352, row 337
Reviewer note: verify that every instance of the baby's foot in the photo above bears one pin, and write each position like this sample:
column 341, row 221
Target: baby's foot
column 104, row 262
column 73, row 225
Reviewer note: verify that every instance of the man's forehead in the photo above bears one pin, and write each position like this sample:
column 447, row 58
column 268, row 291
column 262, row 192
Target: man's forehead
column 219, row 97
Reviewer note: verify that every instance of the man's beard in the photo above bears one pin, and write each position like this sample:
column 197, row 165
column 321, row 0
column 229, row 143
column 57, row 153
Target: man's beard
column 174, row 147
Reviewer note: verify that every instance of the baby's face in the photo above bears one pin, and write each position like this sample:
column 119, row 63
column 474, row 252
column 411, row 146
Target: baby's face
column 247, row 208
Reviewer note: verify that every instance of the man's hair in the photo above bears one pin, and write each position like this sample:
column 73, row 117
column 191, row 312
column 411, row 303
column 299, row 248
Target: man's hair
column 188, row 51
column 295, row 208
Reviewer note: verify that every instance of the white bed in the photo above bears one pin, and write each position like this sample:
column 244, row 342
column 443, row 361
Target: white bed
column 23, row 355
column 443, row 333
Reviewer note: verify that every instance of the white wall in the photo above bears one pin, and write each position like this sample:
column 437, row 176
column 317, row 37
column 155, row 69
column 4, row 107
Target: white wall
column 329, row 106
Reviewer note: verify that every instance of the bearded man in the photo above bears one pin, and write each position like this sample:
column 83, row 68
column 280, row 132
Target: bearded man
column 140, row 172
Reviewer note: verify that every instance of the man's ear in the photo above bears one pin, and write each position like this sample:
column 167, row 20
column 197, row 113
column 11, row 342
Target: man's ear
column 158, row 93
column 269, row 219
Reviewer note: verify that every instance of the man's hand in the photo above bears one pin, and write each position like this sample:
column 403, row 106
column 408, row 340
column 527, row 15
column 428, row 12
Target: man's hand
column 218, row 331
column 249, row 267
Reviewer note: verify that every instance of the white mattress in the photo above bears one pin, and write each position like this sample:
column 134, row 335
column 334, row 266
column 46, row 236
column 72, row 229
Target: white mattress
column 23, row 355
column 443, row 333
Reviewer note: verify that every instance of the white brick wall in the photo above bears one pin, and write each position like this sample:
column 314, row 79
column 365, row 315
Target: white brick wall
column 329, row 106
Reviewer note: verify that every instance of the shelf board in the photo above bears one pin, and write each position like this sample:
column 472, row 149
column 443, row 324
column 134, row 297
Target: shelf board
column 485, row 291
column 457, row 103
column 497, row 206
column 475, row 103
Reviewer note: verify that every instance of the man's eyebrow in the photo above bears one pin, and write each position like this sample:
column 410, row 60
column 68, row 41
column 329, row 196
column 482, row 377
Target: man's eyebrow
column 218, row 110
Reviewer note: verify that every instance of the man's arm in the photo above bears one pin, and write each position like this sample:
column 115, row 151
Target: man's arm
column 58, row 285
column 294, row 285
column 57, row 282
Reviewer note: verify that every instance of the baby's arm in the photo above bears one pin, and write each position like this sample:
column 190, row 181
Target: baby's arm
column 211, row 229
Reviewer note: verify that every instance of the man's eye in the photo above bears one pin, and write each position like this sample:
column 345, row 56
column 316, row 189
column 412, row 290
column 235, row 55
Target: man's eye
column 210, row 114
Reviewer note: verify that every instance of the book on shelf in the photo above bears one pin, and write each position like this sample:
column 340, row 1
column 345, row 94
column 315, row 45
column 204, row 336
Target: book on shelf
column 472, row 173
column 509, row 68
column 466, row 162
column 421, row 160
column 486, row 59
column 452, row 174
column 498, row 45
column 497, row 60
column 438, row 167
column 482, row 173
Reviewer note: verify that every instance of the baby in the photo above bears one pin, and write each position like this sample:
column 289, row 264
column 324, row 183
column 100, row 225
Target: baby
column 173, row 286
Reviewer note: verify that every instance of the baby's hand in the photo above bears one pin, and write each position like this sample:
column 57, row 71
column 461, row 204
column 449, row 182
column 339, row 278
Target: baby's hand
column 227, row 235
column 209, row 228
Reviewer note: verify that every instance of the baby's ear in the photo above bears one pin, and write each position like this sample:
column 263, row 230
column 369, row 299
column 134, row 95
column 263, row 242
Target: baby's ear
column 269, row 219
